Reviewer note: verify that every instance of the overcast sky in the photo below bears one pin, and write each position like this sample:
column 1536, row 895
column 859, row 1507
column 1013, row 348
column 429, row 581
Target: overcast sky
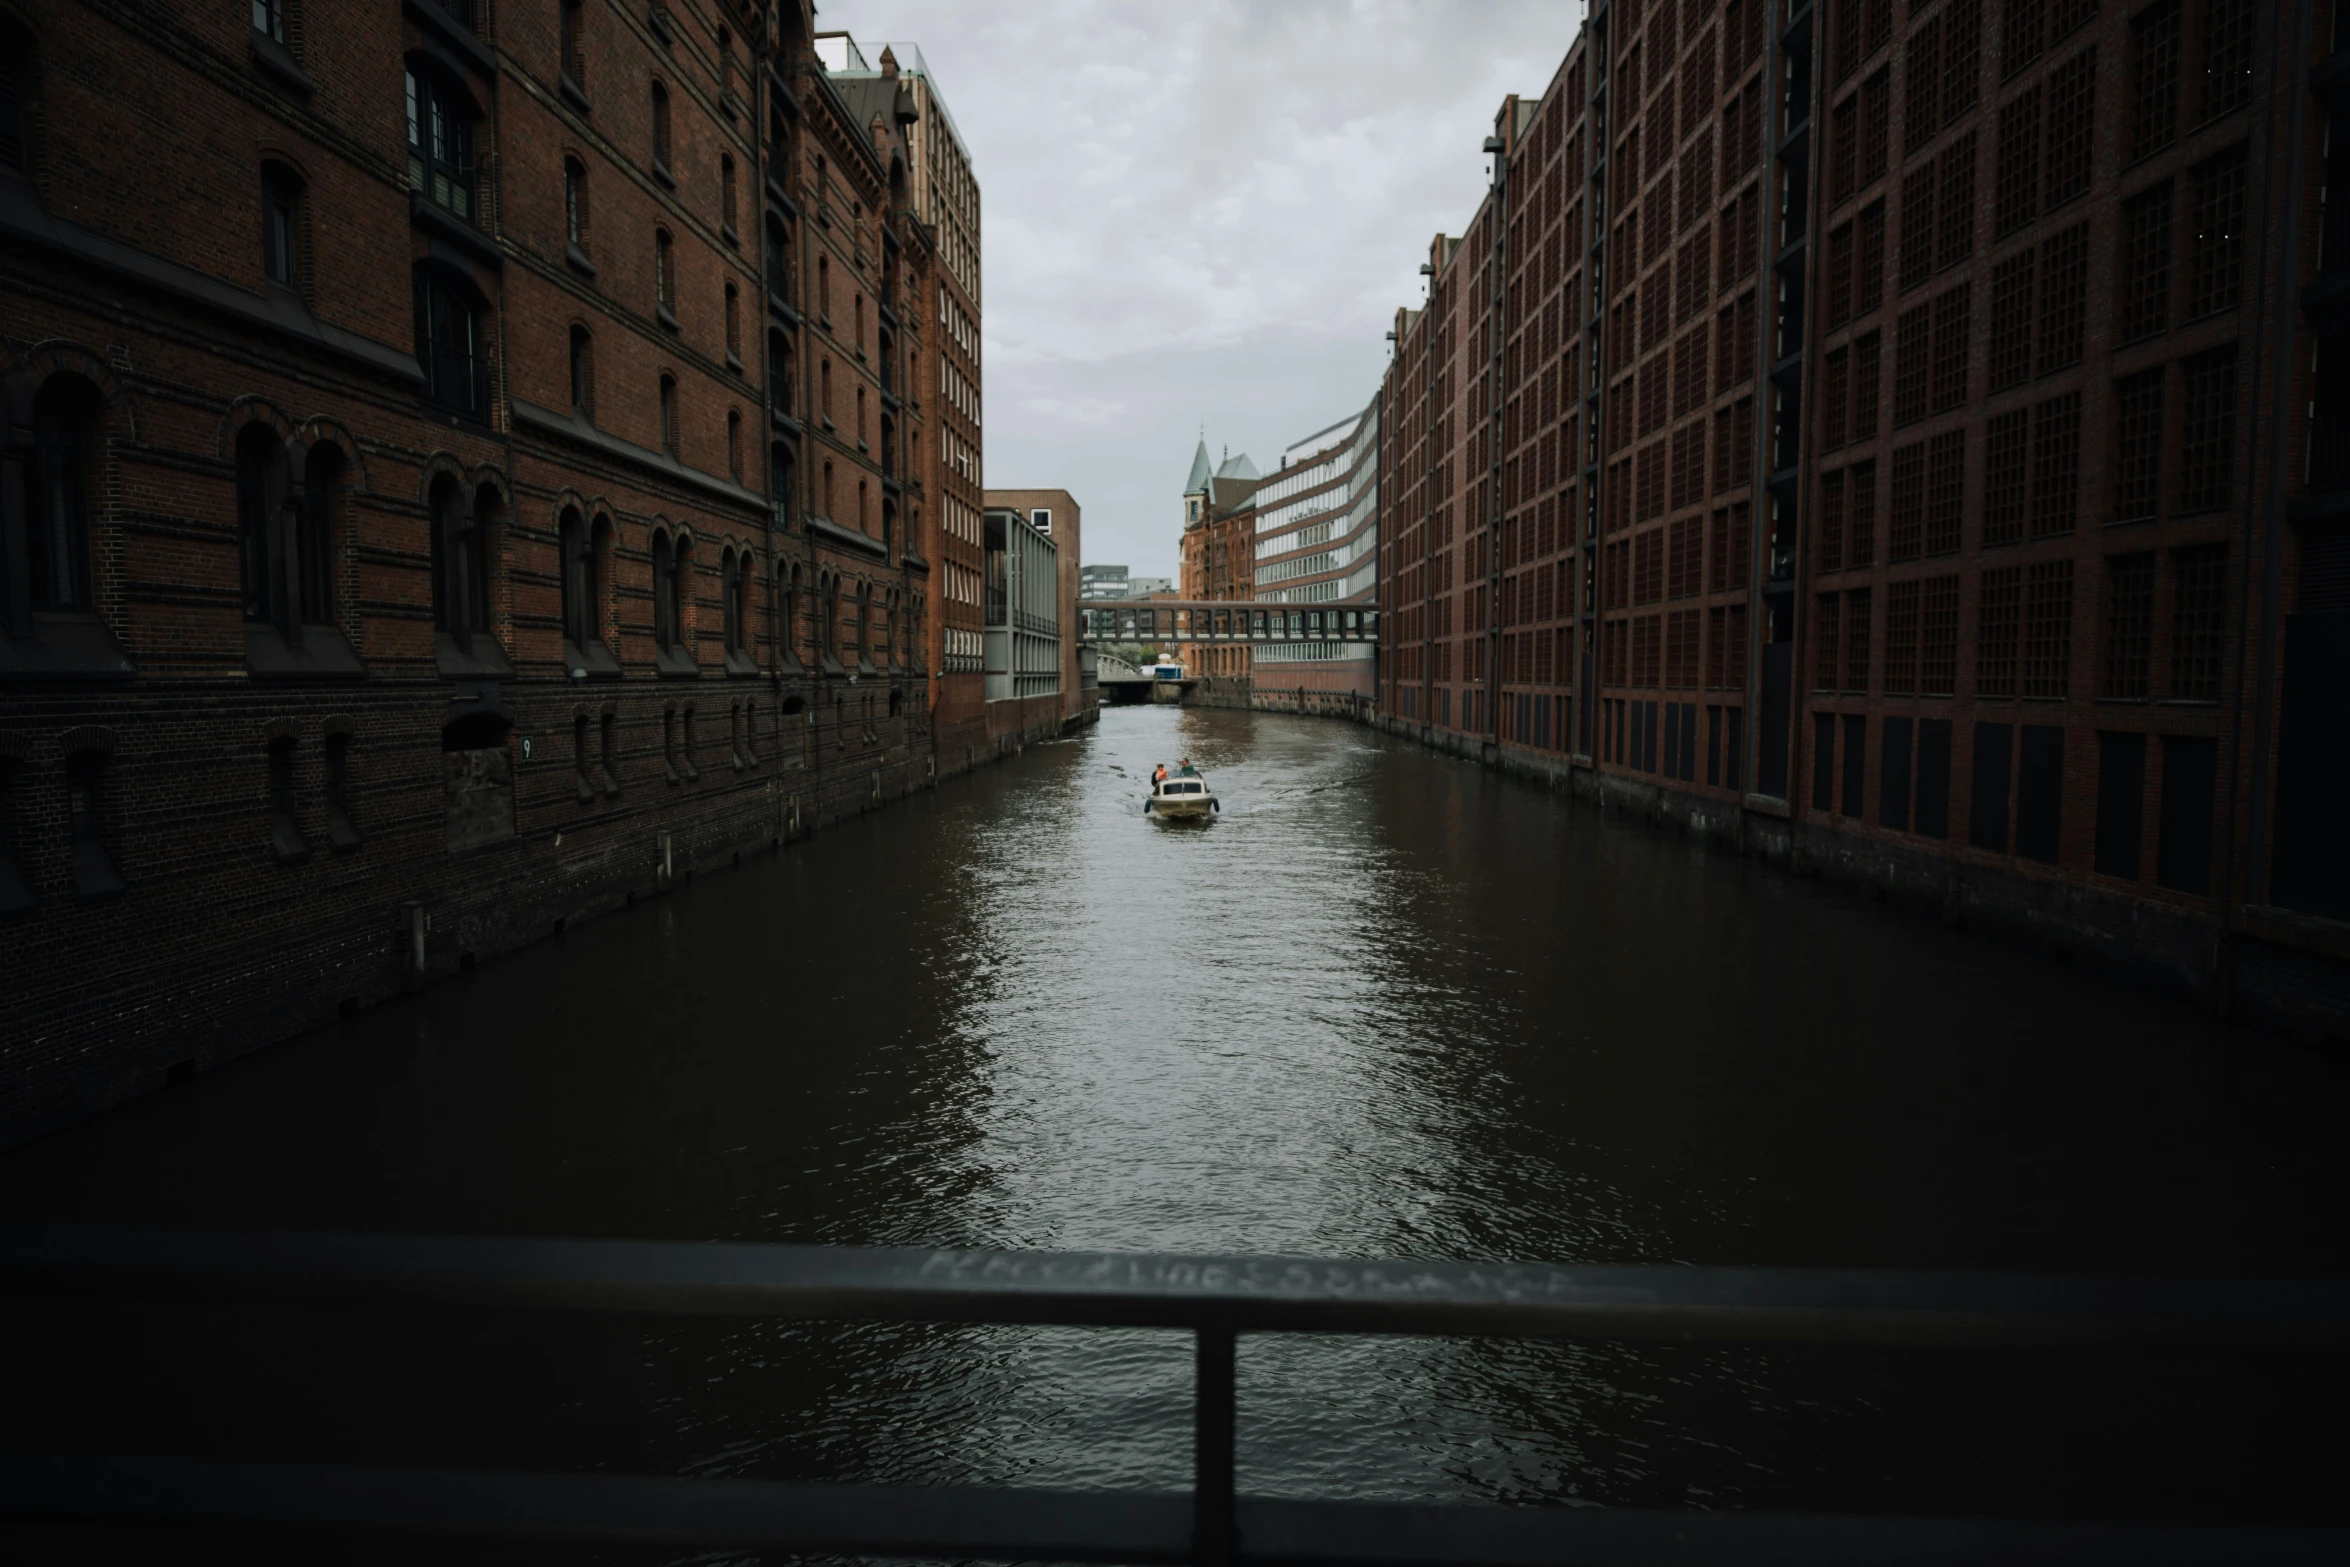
column 1203, row 212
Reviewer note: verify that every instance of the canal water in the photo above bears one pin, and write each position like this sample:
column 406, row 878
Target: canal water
column 1387, row 1005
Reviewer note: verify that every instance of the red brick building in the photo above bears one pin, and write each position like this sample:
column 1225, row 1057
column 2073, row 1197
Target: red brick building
column 1896, row 438
column 1219, row 529
column 456, row 479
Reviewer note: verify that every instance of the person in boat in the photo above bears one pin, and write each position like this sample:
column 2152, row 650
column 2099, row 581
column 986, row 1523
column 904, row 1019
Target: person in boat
column 1158, row 774
column 1188, row 771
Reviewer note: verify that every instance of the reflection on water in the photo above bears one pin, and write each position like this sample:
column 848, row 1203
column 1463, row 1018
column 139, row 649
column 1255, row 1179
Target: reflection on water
column 1386, row 1005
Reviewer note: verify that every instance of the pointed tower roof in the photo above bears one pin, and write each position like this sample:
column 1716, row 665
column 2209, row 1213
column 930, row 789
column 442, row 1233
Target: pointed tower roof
column 1200, row 471
column 1238, row 468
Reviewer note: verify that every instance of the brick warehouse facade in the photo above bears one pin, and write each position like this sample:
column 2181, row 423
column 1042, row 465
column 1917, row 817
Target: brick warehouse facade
column 1900, row 437
column 457, row 478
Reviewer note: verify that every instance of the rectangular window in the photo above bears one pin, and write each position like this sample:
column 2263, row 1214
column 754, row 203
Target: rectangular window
column 1893, row 775
column 1856, row 754
column 1938, row 637
column 1827, row 624
column 1835, row 397
column 2015, row 199
column 1901, row 638
column 2154, row 79
column 2048, row 629
column 2004, row 454
column 1924, row 84
column 1860, row 525
column 2199, row 578
column 1913, row 362
column 2072, row 115
column 1856, row 640
column 1918, row 191
column 1999, row 626
column 1868, row 265
column 1933, row 809
column 1987, row 812
column 2227, row 55
column 1945, row 491
column 1844, row 151
column 1953, row 340
column 2207, row 442
column 1905, row 536
column 1831, row 552
column 2024, row 33
column 2039, row 793
column 1823, row 761
column 1962, row 58
column 2121, row 803
column 2056, row 465
column 2215, row 240
column 2145, row 264
column 2064, row 297
column 1839, row 277
column 1876, row 115
column 1955, row 204
column 2137, row 446
column 2012, row 283
column 2190, row 777
column 1867, row 361
column 2129, row 625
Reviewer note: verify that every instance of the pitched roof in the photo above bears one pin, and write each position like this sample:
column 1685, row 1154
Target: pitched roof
column 1238, row 468
column 1198, row 482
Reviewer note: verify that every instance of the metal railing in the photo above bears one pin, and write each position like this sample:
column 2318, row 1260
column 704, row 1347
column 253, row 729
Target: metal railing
column 1213, row 1298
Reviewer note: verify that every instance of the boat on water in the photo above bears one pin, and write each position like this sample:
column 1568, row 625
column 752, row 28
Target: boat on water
column 1180, row 796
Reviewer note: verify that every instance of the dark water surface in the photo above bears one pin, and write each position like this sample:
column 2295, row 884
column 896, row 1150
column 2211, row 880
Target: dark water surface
column 1387, row 1005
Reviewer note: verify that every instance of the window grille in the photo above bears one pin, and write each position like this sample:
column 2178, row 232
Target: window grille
column 2145, row 263
column 1962, row 46
column 2064, row 296
column 1901, row 638
column 2072, row 114
column 1867, row 364
column 1868, row 268
column 1648, row 567
column 1688, row 465
column 1860, row 525
column 1945, row 491
column 2129, row 624
column 1905, row 536
column 2137, row 457
column 1646, row 651
column 2056, row 465
column 1847, row 38
column 1835, row 397
column 1925, row 84
column 2215, row 244
column 2004, row 454
column 1844, row 156
column 1912, row 362
column 1856, row 640
column 1685, row 571
column 1734, row 677
column 2048, row 628
column 2198, row 621
column 1918, row 190
column 2207, row 440
column 440, row 145
column 1839, row 277
column 2025, row 30
column 1938, row 637
column 2016, row 198
column 1689, row 367
column 1827, row 625
column 2011, row 319
column 2154, row 79
column 2000, row 623
column 1876, row 116
column 2227, row 55
column 1831, row 529
column 1650, row 471
column 1955, row 203
column 456, row 376
column 1953, row 341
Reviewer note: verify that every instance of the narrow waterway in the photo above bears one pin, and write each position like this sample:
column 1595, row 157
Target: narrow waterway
column 1388, row 1004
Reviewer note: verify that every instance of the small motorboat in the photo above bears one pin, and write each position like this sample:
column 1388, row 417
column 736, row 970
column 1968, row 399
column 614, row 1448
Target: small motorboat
column 1179, row 796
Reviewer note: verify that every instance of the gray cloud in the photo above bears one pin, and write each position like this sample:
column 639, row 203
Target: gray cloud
column 1203, row 212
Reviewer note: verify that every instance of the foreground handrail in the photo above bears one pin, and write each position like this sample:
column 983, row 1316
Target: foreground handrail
column 1235, row 1293
column 1213, row 1297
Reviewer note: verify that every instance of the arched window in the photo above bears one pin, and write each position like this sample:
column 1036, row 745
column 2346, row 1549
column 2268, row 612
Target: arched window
column 783, row 482
column 440, row 142
column 669, row 414
column 787, row 616
column 864, row 631
column 860, row 416
column 734, row 444
column 664, row 594
column 449, row 342
column 575, row 204
column 726, row 69
column 87, row 826
column 738, row 604
column 58, row 484
column 314, row 543
column 460, row 565
column 734, row 327
column 824, row 391
column 859, row 337
column 583, row 597
column 284, row 250
column 262, row 500
column 286, row 839
column 681, row 596
column 583, row 373
column 824, row 288
column 782, row 382
column 726, row 192
column 665, row 276
column 829, row 513
column 660, row 129
column 779, row 268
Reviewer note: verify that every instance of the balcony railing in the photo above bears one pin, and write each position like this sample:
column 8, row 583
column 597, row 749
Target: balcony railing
column 1213, row 1298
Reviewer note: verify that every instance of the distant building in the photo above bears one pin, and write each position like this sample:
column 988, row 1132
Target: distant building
column 1146, row 587
column 1316, row 541
column 1218, row 522
column 1102, row 582
column 1053, row 516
